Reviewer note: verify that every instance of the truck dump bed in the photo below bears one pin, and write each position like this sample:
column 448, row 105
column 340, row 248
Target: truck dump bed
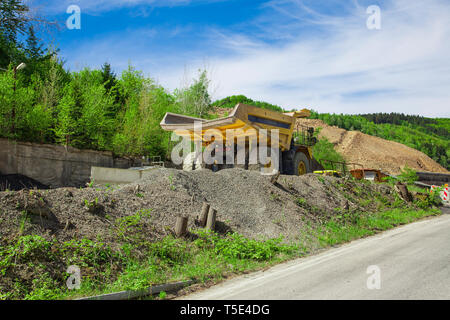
column 249, row 120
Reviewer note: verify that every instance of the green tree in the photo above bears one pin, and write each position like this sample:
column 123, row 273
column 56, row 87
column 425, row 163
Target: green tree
column 145, row 106
column 82, row 112
column 6, row 102
column 324, row 150
column 112, row 87
column 34, row 48
column 195, row 99
column 13, row 19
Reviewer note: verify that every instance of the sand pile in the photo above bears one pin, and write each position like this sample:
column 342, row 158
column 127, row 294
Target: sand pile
column 374, row 152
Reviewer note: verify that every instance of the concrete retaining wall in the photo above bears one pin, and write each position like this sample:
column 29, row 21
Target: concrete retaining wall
column 53, row 165
column 115, row 176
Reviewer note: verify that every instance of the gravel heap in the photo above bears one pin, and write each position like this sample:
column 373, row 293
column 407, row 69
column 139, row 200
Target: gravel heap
column 246, row 202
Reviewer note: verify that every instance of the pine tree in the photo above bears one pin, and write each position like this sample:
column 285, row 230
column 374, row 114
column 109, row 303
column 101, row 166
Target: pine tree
column 34, row 48
column 109, row 77
column 4, row 52
column 13, row 19
column 110, row 83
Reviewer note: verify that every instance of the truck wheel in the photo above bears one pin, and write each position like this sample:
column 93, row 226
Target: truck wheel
column 189, row 164
column 301, row 164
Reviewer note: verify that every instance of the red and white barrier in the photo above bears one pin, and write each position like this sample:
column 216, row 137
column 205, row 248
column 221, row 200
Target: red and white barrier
column 444, row 193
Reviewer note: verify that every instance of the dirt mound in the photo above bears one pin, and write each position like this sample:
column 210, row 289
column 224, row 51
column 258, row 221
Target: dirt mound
column 18, row 182
column 246, row 201
column 374, row 152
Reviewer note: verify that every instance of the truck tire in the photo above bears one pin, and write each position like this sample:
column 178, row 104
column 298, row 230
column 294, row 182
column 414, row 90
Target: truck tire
column 188, row 163
column 301, row 164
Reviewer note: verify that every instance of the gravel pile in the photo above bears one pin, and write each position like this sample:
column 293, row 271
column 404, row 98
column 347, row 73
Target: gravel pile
column 246, row 202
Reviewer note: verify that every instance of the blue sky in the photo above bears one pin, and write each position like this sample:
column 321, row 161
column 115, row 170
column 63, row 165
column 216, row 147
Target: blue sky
column 295, row 53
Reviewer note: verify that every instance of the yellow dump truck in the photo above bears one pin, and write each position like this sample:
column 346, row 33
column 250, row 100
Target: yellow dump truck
column 253, row 126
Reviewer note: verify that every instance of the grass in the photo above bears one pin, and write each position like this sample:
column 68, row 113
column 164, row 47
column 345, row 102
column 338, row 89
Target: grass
column 301, row 202
column 414, row 188
column 345, row 228
column 136, row 263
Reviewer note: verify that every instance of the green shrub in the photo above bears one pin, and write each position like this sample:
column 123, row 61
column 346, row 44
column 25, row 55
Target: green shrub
column 170, row 250
column 88, row 253
column 237, row 246
column 433, row 198
column 324, row 150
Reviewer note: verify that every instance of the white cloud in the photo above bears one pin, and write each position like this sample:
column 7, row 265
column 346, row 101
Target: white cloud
column 405, row 65
column 98, row 6
column 299, row 57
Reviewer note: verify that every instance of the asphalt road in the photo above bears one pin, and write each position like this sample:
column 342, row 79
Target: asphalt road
column 411, row 262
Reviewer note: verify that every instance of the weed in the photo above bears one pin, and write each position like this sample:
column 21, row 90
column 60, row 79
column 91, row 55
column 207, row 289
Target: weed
column 236, row 246
column 338, row 209
column 130, row 227
column 433, row 198
column 172, row 186
column 274, row 196
column 170, row 250
column 301, row 202
column 87, row 253
column 349, row 197
column 23, row 220
column 365, row 203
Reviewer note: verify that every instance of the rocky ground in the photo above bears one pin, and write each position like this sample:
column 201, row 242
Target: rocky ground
column 246, row 201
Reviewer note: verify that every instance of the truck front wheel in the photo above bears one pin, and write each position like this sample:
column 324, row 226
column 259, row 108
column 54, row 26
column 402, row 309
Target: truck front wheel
column 301, row 164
